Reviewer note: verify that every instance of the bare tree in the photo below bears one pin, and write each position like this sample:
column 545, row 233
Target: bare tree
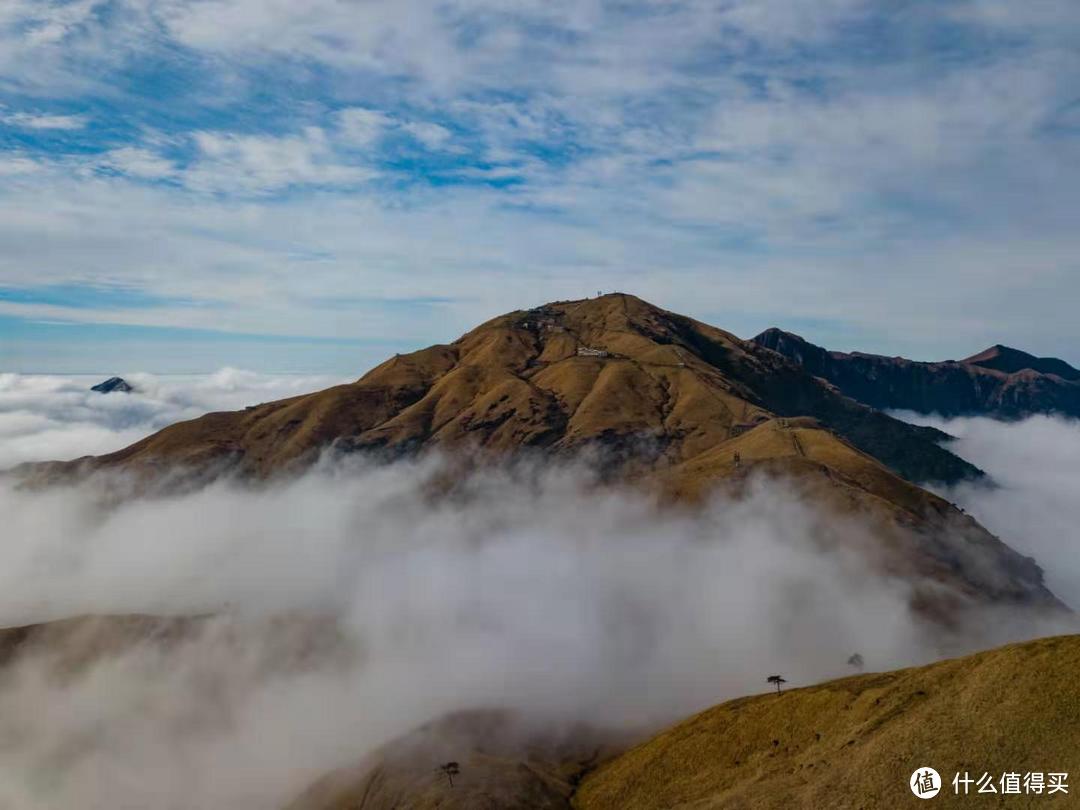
column 777, row 679
column 451, row 769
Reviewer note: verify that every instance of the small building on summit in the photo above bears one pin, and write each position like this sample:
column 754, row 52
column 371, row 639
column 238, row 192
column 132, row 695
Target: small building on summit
column 586, row 351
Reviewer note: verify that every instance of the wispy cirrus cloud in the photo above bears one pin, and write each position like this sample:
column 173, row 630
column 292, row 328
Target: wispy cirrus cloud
column 26, row 120
column 138, row 162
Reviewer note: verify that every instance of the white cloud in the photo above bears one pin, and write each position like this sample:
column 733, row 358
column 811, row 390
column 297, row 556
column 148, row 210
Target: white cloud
column 138, row 162
column 1053, row 18
column 1036, row 463
column 24, row 120
column 261, row 164
column 433, row 136
column 17, row 165
column 361, row 126
column 784, row 22
column 267, row 265
column 714, row 157
column 50, row 21
column 391, row 38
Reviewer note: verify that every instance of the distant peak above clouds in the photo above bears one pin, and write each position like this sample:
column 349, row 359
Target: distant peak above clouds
column 113, row 385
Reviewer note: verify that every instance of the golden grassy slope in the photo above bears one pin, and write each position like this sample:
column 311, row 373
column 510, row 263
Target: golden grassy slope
column 849, row 743
column 517, row 381
column 853, row 743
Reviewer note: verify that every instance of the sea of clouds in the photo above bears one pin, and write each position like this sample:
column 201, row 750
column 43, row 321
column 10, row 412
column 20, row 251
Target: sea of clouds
column 52, row 417
column 1035, row 503
column 528, row 588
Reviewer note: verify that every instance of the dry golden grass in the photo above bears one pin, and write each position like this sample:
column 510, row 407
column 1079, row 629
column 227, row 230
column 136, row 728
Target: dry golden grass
column 847, row 744
column 853, row 743
column 517, row 381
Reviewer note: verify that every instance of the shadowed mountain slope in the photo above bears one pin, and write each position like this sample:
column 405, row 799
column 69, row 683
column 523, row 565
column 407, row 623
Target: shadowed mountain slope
column 1000, row 382
column 1010, row 361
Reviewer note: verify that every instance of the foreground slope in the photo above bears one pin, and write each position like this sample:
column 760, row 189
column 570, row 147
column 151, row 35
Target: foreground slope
column 1000, row 382
column 854, row 743
column 850, row 743
column 504, row 762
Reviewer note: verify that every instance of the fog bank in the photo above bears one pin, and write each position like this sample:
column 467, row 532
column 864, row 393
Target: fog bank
column 525, row 590
column 1036, row 506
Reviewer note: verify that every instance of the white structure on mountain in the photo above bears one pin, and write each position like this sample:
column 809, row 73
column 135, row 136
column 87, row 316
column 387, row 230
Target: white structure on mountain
column 586, row 351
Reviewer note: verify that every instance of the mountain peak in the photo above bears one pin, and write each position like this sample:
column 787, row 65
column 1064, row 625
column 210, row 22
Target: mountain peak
column 814, row 359
column 655, row 396
column 774, row 333
column 113, row 384
column 615, row 325
column 1010, row 361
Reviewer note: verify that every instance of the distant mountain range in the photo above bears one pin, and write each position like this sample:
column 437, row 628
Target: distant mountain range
column 662, row 400
column 1000, row 382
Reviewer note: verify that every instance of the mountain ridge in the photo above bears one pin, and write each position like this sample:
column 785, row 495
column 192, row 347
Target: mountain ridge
column 1000, row 381
column 1012, row 361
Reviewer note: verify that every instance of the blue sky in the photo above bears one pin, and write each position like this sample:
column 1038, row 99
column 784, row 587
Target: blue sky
column 314, row 184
